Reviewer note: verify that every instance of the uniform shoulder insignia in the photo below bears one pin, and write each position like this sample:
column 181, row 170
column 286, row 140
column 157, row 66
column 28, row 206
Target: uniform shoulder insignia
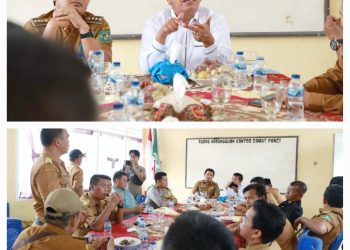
column 326, row 217
column 37, row 22
column 48, row 160
column 94, row 19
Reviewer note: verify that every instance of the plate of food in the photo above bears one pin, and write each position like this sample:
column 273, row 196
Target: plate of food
column 127, row 243
column 230, row 219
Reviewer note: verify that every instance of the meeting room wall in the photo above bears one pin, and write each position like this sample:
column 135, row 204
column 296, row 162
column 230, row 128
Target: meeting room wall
column 314, row 165
column 308, row 56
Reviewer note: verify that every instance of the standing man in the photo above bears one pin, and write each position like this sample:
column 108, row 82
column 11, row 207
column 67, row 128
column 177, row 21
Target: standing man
column 130, row 207
column 201, row 32
column 49, row 172
column 75, row 172
column 99, row 205
column 136, row 174
column 324, row 93
column 208, row 187
column 70, row 24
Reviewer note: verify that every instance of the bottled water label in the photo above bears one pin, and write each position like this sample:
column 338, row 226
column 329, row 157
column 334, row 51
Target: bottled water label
column 295, row 92
column 108, row 227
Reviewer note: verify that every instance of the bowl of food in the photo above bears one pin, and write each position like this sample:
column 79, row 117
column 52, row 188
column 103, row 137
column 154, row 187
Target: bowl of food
column 127, row 243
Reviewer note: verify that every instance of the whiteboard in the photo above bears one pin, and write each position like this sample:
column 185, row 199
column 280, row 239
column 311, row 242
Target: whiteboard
column 269, row 157
column 338, row 163
column 245, row 17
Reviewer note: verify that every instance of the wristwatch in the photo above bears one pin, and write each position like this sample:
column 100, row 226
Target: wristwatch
column 88, row 34
column 336, row 43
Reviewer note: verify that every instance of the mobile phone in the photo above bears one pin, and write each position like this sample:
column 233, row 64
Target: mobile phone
column 128, row 163
column 255, row 102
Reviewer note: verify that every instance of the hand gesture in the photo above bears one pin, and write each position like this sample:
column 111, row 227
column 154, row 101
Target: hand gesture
column 297, row 222
column 72, row 16
column 170, row 26
column 333, row 28
column 139, row 209
column 97, row 242
column 201, row 32
column 120, row 198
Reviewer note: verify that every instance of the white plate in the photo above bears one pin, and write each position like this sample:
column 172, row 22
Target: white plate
column 136, row 242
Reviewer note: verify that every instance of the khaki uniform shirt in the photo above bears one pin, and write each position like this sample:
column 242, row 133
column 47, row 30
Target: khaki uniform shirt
column 76, row 178
column 333, row 219
column 268, row 246
column 53, row 242
column 211, row 188
column 287, row 240
column 92, row 209
column 46, row 175
column 70, row 37
column 327, row 91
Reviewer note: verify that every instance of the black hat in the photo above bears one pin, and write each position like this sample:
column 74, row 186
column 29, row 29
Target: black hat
column 75, row 153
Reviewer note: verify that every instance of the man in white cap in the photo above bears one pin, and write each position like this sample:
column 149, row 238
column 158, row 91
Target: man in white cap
column 75, row 172
column 62, row 216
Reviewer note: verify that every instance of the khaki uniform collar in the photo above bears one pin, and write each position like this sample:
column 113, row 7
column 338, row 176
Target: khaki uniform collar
column 92, row 201
column 331, row 209
column 49, row 159
column 55, row 229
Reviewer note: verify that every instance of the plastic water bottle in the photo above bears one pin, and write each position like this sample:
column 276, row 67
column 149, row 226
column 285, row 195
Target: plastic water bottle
column 152, row 246
column 118, row 112
column 143, row 234
column 118, row 77
column 171, row 204
column 150, row 211
column 96, row 61
column 231, row 210
column 214, row 212
column 107, row 228
column 260, row 76
column 134, row 99
column 240, row 70
column 295, row 98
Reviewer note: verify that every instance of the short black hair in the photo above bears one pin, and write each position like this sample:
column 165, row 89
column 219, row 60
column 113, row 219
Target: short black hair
column 267, row 181
column 269, row 219
column 47, row 135
column 135, row 152
column 158, row 176
column 193, row 230
column 96, row 178
column 118, row 175
column 210, row 170
column 337, row 180
column 301, row 186
column 45, row 80
column 259, row 180
column 239, row 175
column 334, row 195
column 260, row 190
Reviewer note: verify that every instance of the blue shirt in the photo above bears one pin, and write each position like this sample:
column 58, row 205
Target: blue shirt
column 128, row 200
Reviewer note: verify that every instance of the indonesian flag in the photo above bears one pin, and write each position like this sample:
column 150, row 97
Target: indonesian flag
column 152, row 156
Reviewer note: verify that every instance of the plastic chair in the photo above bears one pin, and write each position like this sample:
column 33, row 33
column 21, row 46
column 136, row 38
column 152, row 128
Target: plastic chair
column 337, row 242
column 14, row 228
column 310, row 243
column 140, row 198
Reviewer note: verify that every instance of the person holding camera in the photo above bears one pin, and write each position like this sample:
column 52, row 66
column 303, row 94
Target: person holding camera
column 136, row 174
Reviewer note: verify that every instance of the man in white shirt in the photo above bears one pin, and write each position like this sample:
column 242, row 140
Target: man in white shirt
column 201, row 32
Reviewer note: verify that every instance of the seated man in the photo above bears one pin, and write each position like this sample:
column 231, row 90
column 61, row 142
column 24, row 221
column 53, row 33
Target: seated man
column 193, row 230
column 261, row 226
column 208, row 187
column 292, row 206
column 328, row 224
column 62, row 213
column 100, row 205
column 253, row 192
column 130, row 207
column 159, row 195
column 69, row 23
column 324, row 93
column 201, row 32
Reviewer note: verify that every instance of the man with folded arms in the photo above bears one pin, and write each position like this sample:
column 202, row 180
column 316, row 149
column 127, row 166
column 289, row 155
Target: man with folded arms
column 62, row 215
column 70, row 24
column 99, row 205
column 201, row 32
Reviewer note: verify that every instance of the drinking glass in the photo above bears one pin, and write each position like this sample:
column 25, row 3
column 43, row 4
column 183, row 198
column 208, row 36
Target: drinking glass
column 250, row 57
column 271, row 99
column 221, row 92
